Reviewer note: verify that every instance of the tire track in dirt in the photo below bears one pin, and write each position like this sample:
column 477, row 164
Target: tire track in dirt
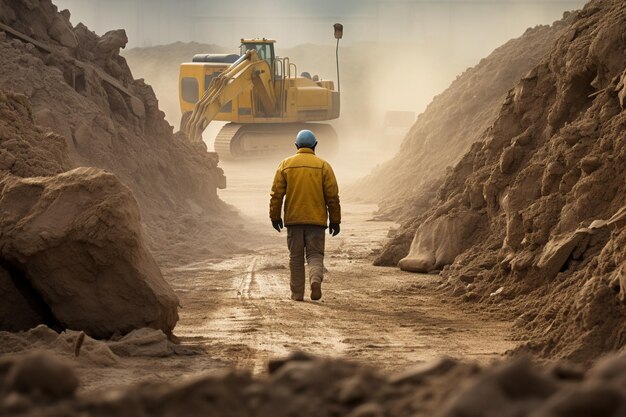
column 264, row 294
column 263, row 343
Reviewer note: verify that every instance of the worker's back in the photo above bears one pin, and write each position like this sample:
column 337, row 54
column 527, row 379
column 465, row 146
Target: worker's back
column 309, row 188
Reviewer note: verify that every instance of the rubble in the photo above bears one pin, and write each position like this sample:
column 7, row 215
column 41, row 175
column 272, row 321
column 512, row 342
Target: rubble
column 545, row 194
column 39, row 374
column 81, row 90
column 49, row 215
column 323, row 387
column 112, row 284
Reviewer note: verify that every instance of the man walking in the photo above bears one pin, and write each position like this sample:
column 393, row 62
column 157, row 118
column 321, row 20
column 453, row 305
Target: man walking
column 308, row 185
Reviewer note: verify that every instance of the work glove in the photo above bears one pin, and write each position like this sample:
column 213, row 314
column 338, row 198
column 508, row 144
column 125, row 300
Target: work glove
column 277, row 224
column 333, row 229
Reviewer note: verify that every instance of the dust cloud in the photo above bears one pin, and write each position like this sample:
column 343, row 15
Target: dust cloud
column 189, row 298
column 395, row 56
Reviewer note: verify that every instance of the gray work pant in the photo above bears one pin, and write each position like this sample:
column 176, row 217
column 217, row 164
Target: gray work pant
column 305, row 240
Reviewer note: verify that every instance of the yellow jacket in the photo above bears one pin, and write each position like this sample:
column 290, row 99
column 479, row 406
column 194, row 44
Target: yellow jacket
column 310, row 189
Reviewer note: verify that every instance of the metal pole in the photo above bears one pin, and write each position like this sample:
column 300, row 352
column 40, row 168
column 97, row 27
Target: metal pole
column 338, row 27
column 337, row 59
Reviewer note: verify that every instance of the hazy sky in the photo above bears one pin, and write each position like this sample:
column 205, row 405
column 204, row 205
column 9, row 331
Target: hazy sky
column 477, row 25
column 435, row 40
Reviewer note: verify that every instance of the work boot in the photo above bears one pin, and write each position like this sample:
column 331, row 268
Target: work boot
column 297, row 297
column 316, row 291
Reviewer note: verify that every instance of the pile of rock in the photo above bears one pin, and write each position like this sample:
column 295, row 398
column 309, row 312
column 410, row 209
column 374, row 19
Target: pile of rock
column 307, row 386
column 80, row 88
column 531, row 219
column 72, row 254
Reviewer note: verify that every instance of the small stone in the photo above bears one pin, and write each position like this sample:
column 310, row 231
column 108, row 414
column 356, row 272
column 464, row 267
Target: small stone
column 497, row 292
column 522, row 261
column 585, row 401
column 568, row 371
column 476, row 197
column 61, row 31
column 368, row 410
column 467, row 279
column 598, row 224
column 6, row 160
column 417, row 374
column 590, row 164
column 522, row 140
column 112, row 41
column 15, row 403
column 42, row 373
column 530, row 75
column 352, row 390
column 471, row 296
column 275, row 364
column 17, row 44
column 137, row 107
column 66, row 14
column 507, row 159
column 459, row 291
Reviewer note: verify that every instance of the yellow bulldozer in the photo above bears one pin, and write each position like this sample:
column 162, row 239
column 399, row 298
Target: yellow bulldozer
column 261, row 96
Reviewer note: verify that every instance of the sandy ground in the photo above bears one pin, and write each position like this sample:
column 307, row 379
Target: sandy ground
column 240, row 309
column 237, row 310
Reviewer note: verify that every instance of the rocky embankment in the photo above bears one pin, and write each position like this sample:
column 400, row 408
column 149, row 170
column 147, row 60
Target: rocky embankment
column 454, row 120
column 531, row 220
column 72, row 249
column 92, row 180
column 80, row 88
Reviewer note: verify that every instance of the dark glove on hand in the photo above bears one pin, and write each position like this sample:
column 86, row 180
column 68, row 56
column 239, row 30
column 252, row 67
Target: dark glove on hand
column 333, row 229
column 277, row 224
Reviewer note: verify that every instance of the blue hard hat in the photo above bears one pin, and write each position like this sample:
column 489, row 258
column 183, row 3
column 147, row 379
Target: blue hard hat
column 306, row 139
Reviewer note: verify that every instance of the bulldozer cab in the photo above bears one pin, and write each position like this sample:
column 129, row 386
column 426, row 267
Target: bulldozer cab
column 263, row 47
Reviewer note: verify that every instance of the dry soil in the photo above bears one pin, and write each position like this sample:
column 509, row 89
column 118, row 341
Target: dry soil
column 236, row 310
column 239, row 308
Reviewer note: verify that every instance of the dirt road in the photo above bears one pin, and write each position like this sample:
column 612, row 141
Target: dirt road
column 240, row 310
column 237, row 310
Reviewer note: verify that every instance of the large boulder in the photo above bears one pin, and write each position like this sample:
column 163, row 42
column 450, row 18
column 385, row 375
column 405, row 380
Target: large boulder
column 437, row 243
column 74, row 242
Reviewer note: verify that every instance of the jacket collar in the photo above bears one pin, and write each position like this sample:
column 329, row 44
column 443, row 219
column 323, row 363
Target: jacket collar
column 306, row 150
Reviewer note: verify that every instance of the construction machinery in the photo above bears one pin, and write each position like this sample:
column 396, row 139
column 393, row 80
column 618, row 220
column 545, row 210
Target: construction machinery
column 261, row 96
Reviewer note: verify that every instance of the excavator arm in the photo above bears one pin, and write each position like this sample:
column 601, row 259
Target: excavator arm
column 249, row 72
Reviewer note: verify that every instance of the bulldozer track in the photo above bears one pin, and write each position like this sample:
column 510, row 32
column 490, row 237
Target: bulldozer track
column 250, row 141
column 223, row 140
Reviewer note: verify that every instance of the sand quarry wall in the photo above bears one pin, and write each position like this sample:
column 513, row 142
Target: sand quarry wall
column 532, row 218
column 91, row 179
column 81, row 89
column 454, row 120
column 72, row 252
